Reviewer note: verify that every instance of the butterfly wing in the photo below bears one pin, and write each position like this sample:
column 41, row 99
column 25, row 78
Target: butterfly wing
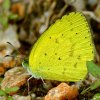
column 62, row 51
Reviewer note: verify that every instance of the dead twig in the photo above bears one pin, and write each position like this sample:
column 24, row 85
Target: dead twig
column 92, row 15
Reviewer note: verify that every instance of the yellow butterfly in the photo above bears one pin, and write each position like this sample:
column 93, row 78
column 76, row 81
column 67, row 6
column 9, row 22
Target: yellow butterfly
column 62, row 51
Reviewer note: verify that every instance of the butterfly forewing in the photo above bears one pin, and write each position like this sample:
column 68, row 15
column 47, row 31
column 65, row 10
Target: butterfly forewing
column 62, row 51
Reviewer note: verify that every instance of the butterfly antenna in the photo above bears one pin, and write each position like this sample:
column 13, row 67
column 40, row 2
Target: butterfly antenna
column 7, row 56
column 10, row 44
column 14, row 48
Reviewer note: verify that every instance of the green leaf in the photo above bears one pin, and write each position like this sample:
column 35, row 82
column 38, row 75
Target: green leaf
column 12, row 89
column 3, row 20
column 2, row 93
column 9, row 98
column 86, row 90
column 93, row 69
column 1, row 79
column 93, row 86
column 96, row 96
column 6, row 4
column 13, row 16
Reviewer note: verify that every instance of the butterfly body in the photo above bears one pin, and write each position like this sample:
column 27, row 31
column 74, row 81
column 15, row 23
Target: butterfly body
column 62, row 51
